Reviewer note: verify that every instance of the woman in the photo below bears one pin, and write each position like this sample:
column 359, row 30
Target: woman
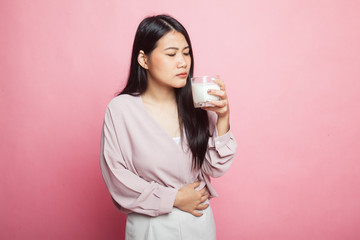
column 158, row 152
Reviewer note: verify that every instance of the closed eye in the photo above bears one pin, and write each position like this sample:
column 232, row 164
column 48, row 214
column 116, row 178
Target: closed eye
column 175, row 49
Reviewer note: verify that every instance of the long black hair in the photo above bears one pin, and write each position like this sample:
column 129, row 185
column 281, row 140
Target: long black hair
column 194, row 120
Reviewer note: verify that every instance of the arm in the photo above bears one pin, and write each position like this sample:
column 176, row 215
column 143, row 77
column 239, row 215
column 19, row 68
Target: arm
column 222, row 144
column 220, row 154
column 126, row 188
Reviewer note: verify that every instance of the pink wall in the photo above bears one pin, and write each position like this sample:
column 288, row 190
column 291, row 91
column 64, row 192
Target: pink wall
column 292, row 70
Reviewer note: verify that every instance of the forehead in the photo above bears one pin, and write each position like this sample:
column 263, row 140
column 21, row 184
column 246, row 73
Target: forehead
column 172, row 39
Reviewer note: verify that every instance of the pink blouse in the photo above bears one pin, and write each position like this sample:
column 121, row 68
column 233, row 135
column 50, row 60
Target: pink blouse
column 143, row 167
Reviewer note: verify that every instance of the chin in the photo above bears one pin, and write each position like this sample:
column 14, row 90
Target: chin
column 180, row 84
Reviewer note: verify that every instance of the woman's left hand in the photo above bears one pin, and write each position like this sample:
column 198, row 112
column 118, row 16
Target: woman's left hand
column 221, row 107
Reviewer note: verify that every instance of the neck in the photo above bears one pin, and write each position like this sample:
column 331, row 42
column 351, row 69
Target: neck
column 159, row 94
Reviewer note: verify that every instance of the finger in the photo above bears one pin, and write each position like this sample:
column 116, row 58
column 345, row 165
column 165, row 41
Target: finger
column 202, row 191
column 204, row 197
column 217, row 110
column 202, row 206
column 217, row 105
column 196, row 184
column 197, row 213
column 216, row 92
column 220, row 83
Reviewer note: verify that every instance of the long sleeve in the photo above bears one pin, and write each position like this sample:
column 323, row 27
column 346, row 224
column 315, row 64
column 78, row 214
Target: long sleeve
column 131, row 192
column 219, row 155
column 143, row 167
column 221, row 151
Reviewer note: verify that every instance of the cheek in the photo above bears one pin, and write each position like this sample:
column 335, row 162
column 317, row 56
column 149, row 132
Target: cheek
column 159, row 63
column 189, row 62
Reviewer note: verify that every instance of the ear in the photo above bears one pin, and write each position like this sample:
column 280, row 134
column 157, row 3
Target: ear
column 142, row 59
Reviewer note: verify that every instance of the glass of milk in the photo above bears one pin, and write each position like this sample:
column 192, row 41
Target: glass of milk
column 200, row 86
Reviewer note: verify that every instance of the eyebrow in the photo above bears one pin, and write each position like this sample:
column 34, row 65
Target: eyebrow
column 175, row 48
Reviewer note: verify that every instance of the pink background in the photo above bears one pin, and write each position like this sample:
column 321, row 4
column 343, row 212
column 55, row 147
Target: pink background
column 292, row 70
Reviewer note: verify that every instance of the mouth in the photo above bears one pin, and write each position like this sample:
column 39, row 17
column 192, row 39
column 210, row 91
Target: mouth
column 182, row 75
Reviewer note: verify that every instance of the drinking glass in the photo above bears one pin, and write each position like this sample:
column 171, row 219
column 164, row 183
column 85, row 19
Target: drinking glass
column 200, row 86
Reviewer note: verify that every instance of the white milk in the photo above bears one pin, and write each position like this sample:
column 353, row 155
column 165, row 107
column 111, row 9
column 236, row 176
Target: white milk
column 200, row 95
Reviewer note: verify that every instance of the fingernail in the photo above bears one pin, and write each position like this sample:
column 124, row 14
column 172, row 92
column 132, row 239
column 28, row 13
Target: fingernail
column 209, row 90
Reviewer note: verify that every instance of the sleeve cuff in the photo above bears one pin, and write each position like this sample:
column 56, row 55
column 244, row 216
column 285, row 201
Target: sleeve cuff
column 220, row 141
column 223, row 144
column 167, row 200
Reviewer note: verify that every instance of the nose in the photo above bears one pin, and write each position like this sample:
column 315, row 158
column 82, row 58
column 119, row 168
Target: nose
column 182, row 62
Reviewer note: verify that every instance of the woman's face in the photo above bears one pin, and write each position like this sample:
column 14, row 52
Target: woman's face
column 169, row 63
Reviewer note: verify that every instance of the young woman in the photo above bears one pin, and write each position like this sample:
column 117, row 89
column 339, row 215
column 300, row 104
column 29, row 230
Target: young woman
column 158, row 152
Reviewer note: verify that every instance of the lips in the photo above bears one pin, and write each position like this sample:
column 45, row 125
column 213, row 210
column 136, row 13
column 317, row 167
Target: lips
column 182, row 75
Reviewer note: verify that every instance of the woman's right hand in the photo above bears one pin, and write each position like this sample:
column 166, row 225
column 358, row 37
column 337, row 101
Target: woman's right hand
column 190, row 200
